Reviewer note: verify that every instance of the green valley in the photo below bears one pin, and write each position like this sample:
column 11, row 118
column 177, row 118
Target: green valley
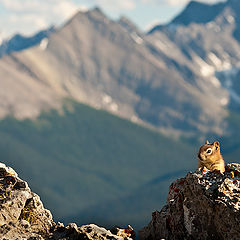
column 88, row 165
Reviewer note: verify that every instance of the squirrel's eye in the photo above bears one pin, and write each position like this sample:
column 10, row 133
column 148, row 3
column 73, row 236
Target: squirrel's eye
column 209, row 151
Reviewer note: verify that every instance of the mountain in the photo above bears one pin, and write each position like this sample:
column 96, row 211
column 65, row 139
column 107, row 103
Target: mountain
column 207, row 45
column 114, row 66
column 193, row 13
column 181, row 79
column 19, row 42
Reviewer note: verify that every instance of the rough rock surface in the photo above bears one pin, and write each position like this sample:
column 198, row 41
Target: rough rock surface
column 202, row 205
column 23, row 217
column 91, row 232
column 22, row 214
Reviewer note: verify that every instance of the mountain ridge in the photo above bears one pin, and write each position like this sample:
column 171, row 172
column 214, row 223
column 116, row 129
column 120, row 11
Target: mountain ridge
column 192, row 14
column 20, row 42
column 136, row 78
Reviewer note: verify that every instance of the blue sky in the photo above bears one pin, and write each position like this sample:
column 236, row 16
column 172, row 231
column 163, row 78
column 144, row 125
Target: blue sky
column 29, row 16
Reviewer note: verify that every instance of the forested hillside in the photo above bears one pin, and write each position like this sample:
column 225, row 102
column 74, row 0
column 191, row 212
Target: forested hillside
column 83, row 159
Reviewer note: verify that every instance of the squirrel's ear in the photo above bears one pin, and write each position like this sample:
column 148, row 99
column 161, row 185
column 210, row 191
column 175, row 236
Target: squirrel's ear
column 216, row 144
column 207, row 142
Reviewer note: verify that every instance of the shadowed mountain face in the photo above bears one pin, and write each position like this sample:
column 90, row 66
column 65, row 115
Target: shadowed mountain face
column 206, row 40
column 197, row 12
column 175, row 79
column 201, row 13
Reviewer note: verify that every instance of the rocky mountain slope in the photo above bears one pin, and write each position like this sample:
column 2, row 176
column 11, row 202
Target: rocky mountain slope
column 199, row 206
column 208, row 45
column 177, row 78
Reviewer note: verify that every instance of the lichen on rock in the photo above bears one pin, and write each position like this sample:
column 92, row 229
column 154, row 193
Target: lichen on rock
column 199, row 206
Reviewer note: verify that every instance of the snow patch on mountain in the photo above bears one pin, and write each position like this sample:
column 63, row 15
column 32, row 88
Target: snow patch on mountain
column 219, row 64
column 230, row 19
column 136, row 38
column 161, row 45
column 106, row 99
column 206, row 69
column 213, row 26
column 43, row 44
column 113, row 107
column 215, row 82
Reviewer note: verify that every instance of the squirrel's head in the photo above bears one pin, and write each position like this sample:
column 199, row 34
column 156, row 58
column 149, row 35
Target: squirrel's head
column 208, row 151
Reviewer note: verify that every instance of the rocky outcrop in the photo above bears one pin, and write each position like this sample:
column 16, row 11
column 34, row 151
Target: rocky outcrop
column 23, row 216
column 202, row 205
column 91, row 232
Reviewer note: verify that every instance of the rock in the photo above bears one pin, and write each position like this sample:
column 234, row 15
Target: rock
column 90, row 232
column 199, row 206
column 24, row 217
column 125, row 232
column 22, row 214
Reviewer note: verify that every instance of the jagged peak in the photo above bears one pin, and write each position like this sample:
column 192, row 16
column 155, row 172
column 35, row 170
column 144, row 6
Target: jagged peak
column 195, row 12
column 97, row 12
column 128, row 24
column 94, row 14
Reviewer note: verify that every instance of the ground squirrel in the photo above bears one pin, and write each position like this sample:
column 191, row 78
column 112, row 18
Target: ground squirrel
column 209, row 156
